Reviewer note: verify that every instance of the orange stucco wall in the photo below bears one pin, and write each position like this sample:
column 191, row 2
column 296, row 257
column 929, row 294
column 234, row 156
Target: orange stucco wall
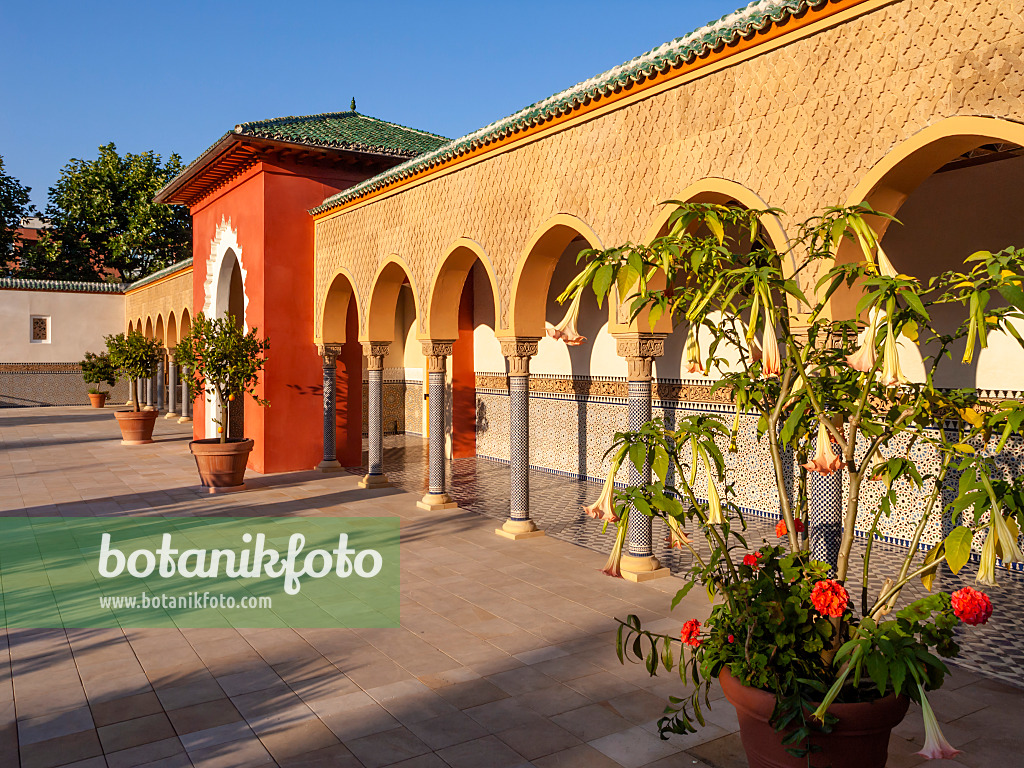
column 267, row 207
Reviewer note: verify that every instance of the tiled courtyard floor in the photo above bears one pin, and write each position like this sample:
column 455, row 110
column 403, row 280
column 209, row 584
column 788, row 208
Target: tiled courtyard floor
column 505, row 656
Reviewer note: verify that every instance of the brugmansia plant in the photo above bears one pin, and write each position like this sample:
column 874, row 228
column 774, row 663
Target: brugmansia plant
column 832, row 394
column 224, row 361
column 135, row 357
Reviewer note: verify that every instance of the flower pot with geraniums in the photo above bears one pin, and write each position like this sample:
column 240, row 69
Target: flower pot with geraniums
column 136, row 358
column 225, row 362
column 818, row 665
column 96, row 370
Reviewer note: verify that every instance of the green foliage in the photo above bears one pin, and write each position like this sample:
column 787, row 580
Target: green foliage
column 14, row 206
column 223, row 358
column 103, row 218
column 98, row 369
column 134, row 356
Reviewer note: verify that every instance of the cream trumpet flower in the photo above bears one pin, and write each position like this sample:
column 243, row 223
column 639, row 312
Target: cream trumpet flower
column 566, row 329
column 604, row 509
column 771, row 364
column 987, row 567
column 677, row 534
column 691, row 352
column 885, row 266
column 714, row 501
column 824, row 460
column 864, row 359
column 891, row 375
column 1006, row 545
column 935, row 745
column 614, row 565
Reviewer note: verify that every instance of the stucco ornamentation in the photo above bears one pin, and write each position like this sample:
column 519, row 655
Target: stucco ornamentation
column 518, row 352
column 375, row 352
column 225, row 239
column 640, row 351
column 329, row 352
column 436, row 351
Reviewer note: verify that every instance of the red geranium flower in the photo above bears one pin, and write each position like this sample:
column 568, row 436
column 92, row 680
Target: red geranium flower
column 781, row 529
column 829, row 598
column 752, row 561
column 971, row 606
column 691, row 633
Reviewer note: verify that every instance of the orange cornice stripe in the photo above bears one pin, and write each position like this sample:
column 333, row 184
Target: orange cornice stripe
column 793, row 24
column 163, row 279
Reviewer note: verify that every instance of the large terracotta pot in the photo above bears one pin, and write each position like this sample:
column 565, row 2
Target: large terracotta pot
column 859, row 740
column 136, row 426
column 97, row 399
column 221, row 465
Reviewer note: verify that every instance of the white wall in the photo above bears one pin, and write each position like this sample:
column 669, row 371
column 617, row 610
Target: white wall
column 78, row 323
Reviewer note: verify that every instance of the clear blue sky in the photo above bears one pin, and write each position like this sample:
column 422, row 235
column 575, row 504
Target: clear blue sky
column 174, row 76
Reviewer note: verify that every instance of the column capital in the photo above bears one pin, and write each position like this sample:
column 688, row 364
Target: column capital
column 329, row 352
column 640, row 349
column 518, row 350
column 436, row 350
column 375, row 352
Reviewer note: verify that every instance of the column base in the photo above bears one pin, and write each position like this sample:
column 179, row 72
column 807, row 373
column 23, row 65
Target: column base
column 185, row 420
column 328, row 466
column 434, row 501
column 639, row 569
column 171, row 415
column 375, row 481
column 519, row 529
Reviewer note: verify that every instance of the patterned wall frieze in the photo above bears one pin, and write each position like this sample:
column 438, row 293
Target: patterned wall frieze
column 670, row 390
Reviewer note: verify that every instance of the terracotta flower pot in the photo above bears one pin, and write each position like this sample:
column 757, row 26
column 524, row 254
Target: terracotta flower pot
column 136, row 426
column 859, row 740
column 97, row 399
column 221, row 465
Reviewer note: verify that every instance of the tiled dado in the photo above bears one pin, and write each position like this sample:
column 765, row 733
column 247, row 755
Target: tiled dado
column 597, row 386
column 394, row 401
column 570, row 432
column 36, row 384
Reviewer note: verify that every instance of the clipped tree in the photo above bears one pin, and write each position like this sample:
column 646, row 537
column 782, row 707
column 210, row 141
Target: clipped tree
column 224, row 361
column 14, row 206
column 135, row 357
column 104, row 223
column 98, row 369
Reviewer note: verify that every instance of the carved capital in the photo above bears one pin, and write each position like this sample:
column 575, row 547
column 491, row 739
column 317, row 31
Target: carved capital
column 640, row 351
column 436, row 351
column 329, row 352
column 375, row 352
column 519, row 351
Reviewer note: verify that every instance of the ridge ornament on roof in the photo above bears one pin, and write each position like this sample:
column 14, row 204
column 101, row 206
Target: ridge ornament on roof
column 757, row 17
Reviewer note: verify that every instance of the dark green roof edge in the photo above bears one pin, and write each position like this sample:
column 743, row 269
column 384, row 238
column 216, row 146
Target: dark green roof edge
column 176, row 267
column 757, row 16
column 71, row 286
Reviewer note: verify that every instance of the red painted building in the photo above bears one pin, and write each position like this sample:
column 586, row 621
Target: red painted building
column 249, row 196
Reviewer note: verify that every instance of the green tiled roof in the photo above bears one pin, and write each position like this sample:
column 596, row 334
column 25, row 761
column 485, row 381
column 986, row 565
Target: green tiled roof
column 60, row 285
column 176, row 267
column 758, row 16
column 345, row 130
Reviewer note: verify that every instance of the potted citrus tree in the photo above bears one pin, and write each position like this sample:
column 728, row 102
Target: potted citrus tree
column 819, row 665
column 224, row 362
column 136, row 358
column 96, row 370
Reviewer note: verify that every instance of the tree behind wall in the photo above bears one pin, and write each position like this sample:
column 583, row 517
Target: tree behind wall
column 104, row 223
column 14, row 206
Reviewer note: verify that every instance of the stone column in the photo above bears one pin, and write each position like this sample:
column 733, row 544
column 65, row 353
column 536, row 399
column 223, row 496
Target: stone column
column 518, row 352
column 172, row 390
column 375, row 352
column 826, row 516
column 160, row 384
column 131, row 392
column 150, row 392
column 437, row 353
column 330, row 352
column 186, row 398
column 638, row 562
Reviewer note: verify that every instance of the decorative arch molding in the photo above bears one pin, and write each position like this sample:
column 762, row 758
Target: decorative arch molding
column 441, row 320
column 218, row 278
column 532, row 277
column 383, row 299
column 324, row 330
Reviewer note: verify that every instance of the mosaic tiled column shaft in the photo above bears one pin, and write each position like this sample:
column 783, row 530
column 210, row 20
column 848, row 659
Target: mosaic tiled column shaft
column 330, row 463
column 375, row 352
column 160, row 384
column 172, row 390
column 186, row 398
column 437, row 353
column 518, row 352
column 639, row 562
column 826, row 516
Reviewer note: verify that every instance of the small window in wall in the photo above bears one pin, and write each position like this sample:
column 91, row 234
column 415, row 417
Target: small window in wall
column 40, row 329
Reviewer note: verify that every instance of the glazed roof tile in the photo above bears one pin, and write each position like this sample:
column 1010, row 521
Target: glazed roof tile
column 756, row 17
column 176, row 267
column 60, row 285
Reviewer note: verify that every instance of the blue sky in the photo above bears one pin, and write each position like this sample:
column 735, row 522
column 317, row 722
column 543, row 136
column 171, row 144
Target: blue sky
column 173, row 77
